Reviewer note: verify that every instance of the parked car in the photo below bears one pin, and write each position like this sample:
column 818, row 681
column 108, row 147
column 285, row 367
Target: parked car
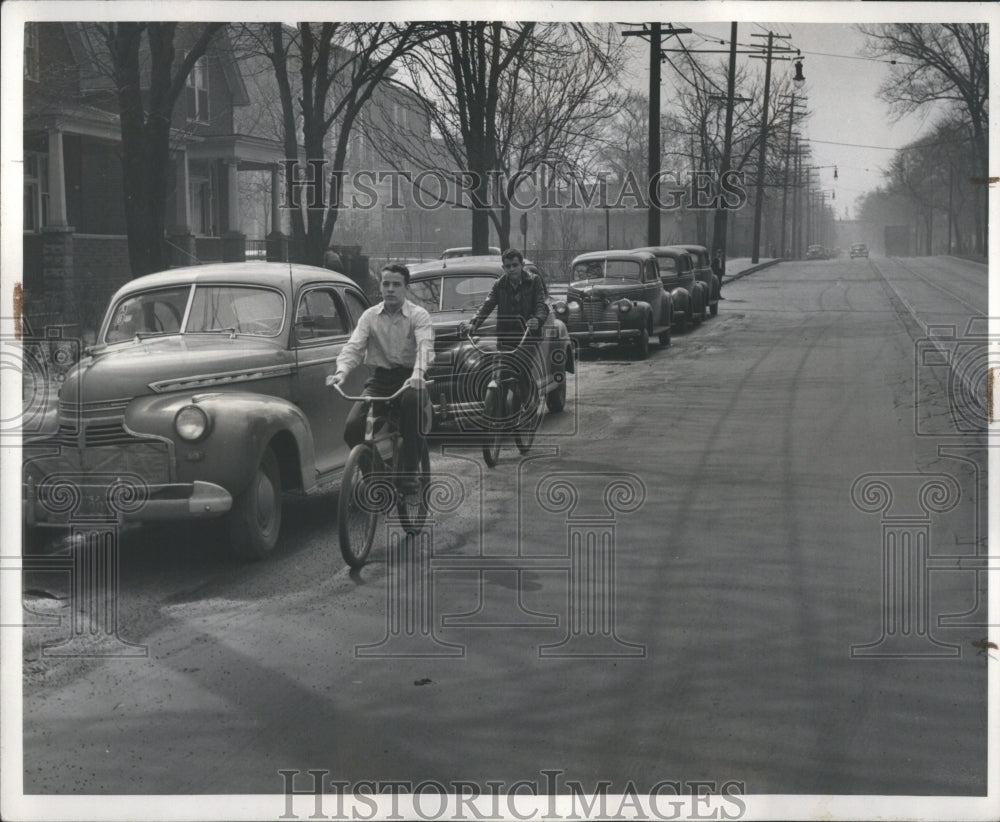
column 859, row 250
column 617, row 297
column 466, row 251
column 689, row 298
column 703, row 273
column 452, row 291
column 816, row 252
column 207, row 388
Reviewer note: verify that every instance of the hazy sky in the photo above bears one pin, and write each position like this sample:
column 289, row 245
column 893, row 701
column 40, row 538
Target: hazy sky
column 842, row 96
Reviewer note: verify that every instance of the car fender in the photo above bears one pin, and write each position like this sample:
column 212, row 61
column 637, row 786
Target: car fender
column 680, row 299
column 241, row 426
column 645, row 311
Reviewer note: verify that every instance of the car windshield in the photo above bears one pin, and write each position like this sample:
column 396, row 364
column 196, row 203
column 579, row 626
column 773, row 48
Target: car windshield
column 452, row 293
column 247, row 310
column 148, row 314
column 426, row 293
column 602, row 268
column 667, row 265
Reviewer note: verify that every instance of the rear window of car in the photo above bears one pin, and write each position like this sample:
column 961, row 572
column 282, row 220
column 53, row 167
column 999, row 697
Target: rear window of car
column 614, row 269
column 667, row 265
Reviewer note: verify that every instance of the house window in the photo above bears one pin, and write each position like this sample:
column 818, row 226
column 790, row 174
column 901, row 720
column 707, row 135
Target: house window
column 197, row 92
column 36, row 190
column 31, row 51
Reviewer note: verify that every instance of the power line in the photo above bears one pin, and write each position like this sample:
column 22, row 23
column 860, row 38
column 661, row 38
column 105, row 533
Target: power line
column 891, row 148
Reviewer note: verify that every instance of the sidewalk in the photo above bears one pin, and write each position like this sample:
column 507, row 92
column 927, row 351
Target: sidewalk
column 737, row 267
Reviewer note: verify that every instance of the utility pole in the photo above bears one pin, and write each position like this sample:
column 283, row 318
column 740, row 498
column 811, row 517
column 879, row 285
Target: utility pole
column 951, row 179
column 655, row 33
column 653, row 216
column 796, row 217
column 722, row 213
column 759, row 206
column 788, row 164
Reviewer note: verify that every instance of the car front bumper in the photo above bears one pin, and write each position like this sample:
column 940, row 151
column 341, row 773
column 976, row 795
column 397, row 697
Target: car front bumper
column 65, row 502
column 607, row 332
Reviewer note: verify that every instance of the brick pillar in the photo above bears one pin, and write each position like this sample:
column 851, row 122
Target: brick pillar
column 57, row 273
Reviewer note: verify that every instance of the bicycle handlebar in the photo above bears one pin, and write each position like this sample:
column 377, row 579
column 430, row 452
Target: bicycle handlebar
column 340, row 391
column 468, row 336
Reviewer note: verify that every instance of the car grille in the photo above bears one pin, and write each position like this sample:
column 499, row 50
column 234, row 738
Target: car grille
column 95, row 434
column 593, row 309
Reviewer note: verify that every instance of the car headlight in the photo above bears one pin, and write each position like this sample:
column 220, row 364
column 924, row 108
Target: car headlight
column 560, row 308
column 572, row 305
column 191, row 423
column 624, row 306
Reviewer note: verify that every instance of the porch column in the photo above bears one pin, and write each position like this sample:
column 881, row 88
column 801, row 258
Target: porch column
column 275, row 200
column 57, row 180
column 233, row 241
column 57, row 244
column 277, row 243
column 182, row 246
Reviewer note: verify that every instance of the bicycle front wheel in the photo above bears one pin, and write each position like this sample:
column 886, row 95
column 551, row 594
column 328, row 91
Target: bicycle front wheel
column 494, row 414
column 357, row 508
column 412, row 506
column 528, row 420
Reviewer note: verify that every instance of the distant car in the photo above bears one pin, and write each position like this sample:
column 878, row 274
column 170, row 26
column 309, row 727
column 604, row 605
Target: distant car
column 859, row 250
column 204, row 397
column 689, row 298
column 617, row 297
column 816, row 252
column 703, row 273
column 452, row 291
column 466, row 251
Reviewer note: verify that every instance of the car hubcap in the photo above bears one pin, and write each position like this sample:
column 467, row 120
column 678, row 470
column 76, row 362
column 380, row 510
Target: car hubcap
column 265, row 502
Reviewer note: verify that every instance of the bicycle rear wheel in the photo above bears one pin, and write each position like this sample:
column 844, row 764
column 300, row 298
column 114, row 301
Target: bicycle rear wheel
column 493, row 408
column 358, row 506
column 412, row 507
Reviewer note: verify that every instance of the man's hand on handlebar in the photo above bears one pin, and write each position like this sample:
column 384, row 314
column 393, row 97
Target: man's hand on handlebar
column 467, row 329
column 533, row 324
column 415, row 381
column 334, row 379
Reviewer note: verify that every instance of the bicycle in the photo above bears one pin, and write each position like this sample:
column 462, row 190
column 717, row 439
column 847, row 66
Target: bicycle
column 371, row 484
column 503, row 407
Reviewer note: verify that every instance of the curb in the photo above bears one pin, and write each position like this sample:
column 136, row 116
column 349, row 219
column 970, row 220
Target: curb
column 751, row 270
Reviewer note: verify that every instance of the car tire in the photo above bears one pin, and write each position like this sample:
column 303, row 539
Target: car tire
column 255, row 520
column 697, row 316
column 713, row 309
column 555, row 400
column 682, row 323
column 664, row 337
column 640, row 350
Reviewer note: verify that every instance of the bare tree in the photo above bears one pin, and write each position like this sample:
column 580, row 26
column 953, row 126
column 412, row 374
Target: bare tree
column 146, row 115
column 504, row 99
column 326, row 74
column 947, row 63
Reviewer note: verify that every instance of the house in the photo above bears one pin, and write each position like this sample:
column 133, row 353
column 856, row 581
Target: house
column 75, row 246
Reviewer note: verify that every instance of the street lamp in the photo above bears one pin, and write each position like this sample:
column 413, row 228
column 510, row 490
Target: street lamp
column 799, row 79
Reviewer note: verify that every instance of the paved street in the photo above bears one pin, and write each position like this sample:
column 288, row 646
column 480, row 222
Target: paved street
column 709, row 637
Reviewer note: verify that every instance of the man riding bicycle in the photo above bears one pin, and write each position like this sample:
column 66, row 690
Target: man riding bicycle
column 396, row 339
column 519, row 299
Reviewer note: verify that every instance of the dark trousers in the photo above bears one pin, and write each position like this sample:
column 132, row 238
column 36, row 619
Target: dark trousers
column 382, row 383
column 525, row 364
